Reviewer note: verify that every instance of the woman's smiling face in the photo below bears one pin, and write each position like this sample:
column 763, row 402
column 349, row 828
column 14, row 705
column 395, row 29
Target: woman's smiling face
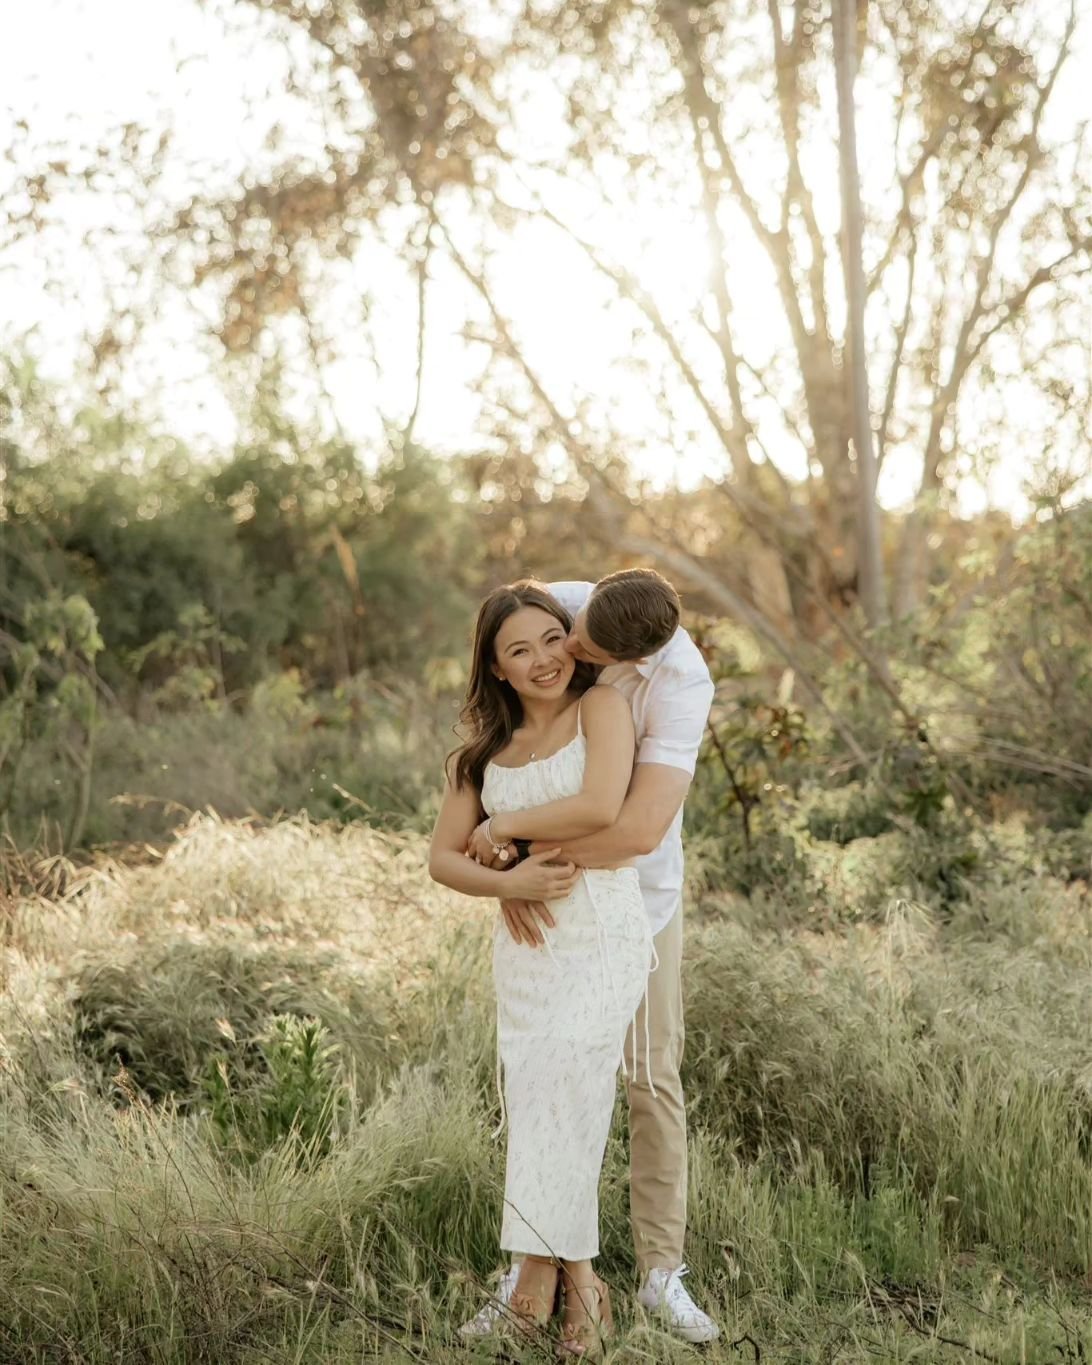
column 531, row 654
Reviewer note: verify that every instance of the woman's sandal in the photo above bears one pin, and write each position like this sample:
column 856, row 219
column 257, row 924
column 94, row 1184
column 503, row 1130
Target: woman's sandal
column 529, row 1312
column 585, row 1337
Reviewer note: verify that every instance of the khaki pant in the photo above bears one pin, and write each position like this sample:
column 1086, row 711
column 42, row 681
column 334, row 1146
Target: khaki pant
column 657, row 1127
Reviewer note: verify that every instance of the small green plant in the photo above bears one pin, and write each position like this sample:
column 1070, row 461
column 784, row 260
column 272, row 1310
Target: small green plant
column 939, row 860
column 918, row 783
column 941, row 855
column 297, row 1093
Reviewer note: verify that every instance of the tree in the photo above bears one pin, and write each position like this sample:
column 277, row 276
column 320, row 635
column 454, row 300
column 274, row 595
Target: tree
column 968, row 223
column 976, row 218
column 873, row 593
column 205, row 576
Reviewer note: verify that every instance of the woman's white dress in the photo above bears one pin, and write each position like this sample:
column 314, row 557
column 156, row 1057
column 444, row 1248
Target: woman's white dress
column 562, row 1015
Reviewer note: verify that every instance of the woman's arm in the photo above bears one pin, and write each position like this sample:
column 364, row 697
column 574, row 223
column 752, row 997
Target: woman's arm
column 447, row 861
column 448, row 864
column 608, row 727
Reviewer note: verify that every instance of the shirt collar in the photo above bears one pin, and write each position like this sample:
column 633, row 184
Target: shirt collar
column 645, row 667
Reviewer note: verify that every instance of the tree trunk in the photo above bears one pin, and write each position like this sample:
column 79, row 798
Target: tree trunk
column 870, row 584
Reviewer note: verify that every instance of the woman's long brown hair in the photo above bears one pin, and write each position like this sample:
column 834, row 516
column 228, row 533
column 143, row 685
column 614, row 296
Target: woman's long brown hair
column 492, row 710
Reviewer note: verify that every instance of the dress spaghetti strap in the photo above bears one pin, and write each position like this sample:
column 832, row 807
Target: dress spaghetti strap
column 579, row 724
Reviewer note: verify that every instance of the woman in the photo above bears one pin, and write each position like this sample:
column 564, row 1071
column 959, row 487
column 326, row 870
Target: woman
column 549, row 757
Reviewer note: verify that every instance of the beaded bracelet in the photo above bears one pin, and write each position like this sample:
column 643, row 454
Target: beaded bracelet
column 499, row 850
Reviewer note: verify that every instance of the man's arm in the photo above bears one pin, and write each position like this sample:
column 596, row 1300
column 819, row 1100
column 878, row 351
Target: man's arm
column 667, row 755
column 652, row 802
column 571, row 593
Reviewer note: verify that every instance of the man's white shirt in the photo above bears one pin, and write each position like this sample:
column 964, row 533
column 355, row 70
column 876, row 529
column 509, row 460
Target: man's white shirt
column 670, row 694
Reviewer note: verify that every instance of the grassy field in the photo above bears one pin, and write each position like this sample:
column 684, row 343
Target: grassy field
column 247, row 1096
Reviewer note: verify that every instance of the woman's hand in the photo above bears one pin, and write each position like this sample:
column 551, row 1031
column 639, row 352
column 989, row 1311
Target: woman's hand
column 480, row 847
column 539, row 879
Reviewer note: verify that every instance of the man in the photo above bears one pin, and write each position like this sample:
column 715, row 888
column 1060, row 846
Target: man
column 627, row 624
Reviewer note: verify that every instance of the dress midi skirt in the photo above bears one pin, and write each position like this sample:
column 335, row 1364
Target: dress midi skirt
column 563, row 1011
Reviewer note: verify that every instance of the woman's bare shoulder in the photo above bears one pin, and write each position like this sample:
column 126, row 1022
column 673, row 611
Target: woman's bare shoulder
column 603, row 702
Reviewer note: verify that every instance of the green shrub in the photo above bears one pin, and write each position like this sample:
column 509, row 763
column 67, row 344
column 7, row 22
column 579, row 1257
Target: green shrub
column 163, row 1010
column 862, row 879
column 1067, row 853
column 775, row 865
column 841, row 814
column 363, row 751
column 299, row 1094
column 938, row 860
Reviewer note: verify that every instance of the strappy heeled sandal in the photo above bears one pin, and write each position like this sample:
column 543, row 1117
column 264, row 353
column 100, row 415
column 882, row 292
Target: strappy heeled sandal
column 585, row 1338
column 529, row 1313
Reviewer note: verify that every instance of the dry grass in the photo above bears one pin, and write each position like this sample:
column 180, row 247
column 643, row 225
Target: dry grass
column 305, row 884
column 891, row 1135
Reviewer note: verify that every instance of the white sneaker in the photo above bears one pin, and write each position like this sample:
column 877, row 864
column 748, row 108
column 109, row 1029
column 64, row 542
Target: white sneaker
column 486, row 1320
column 663, row 1293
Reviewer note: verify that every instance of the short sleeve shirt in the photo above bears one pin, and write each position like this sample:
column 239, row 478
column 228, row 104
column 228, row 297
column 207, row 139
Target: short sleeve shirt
column 670, row 694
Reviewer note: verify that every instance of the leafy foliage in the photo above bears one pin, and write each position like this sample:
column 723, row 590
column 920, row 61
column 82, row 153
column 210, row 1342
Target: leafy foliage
column 61, row 644
column 298, row 1097
column 292, row 551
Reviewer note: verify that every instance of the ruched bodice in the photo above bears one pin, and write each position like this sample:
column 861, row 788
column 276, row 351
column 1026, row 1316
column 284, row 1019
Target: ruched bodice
column 552, row 778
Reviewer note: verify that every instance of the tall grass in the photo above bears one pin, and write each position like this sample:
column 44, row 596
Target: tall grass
column 374, row 745
column 891, row 1126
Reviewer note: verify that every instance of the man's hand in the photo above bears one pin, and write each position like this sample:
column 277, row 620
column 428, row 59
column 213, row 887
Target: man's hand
column 522, row 918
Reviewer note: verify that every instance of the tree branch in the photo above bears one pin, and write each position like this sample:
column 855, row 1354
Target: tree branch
column 704, row 108
column 901, row 330
column 680, row 561
column 963, row 355
column 904, row 218
column 422, row 282
column 721, row 334
column 750, row 506
column 1009, row 307
column 786, row 67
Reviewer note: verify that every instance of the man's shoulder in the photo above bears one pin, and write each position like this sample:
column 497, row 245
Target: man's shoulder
column 571, row 593
column 679, row 659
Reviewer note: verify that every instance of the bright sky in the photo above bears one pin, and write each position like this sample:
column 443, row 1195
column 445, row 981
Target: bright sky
column 77, row 68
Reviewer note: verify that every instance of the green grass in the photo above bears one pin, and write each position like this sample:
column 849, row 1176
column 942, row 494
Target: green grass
column 891, row 1124
column 366, row 748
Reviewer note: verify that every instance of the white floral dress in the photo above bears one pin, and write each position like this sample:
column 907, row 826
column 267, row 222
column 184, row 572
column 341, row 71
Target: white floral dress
column 562, row 1015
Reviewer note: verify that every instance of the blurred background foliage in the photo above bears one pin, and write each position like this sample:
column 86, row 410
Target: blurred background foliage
column 287, row 629
column 450, row 203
